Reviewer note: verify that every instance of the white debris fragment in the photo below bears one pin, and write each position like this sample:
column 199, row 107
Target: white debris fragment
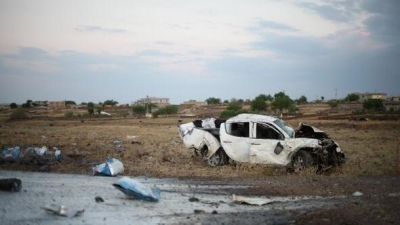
column 61, row 210
column 357, row 194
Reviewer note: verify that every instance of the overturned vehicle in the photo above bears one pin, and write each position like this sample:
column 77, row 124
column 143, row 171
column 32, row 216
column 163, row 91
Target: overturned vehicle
column 252, row 138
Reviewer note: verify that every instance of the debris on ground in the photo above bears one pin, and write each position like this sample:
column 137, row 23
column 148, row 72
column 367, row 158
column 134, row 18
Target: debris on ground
column 357, row 194
column 61, row 210
column 99, row 199
column 118, row 145
column 130, row 137
column 174, row 143
column 135, row 189
column 10, row 184
column 11, row 152
column 31, row 155
column 112, row 167
column 193, row 199
column 198, row 211
column 251, row 200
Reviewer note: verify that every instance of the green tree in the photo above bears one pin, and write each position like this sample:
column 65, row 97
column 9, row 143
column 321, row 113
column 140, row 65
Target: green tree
column 13, row 105
column 234, row 106
column 229, row 113
column 302, row 100
column 373, row 104
column 264, row 97
column 353, row 97
column 90, row 108
column 99, row 108
column 258, row 105
column 213, row 101
column 28, row 104
column 168, row 110
column 110, row 102
column 69, row 102
column 139, row 110
column 281, row 101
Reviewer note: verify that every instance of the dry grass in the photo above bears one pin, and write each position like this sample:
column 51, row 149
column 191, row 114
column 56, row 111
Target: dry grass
column 372, row 148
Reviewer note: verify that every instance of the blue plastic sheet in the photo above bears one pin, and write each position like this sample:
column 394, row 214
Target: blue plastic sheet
column 112, row 167
column 11, row 152
column 135, row 189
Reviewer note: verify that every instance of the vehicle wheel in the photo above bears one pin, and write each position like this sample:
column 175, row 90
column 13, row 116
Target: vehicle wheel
column 301, row 160
column 218, row 159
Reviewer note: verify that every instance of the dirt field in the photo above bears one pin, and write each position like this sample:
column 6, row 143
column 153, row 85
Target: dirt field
column 152, row 147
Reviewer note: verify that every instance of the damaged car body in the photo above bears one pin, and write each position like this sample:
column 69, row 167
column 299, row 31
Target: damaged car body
column 261, row 139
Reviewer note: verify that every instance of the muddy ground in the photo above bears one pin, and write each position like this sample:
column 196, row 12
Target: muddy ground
column 152, row 148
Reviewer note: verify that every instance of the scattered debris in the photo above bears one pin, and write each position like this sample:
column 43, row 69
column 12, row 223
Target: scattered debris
column 199, row 211
column 193, row 199
column 357, row 194
column 11, row 154
column 112, row 167
column 10, row 184
column 117, row 141
column 99, row 199
column 61, row 210
column 118, row 145
column 130, row 137
column 136, row 142
column 174, row 143
column 251, row 200
column 214, row 212
column 32, row 155
column 135, row 189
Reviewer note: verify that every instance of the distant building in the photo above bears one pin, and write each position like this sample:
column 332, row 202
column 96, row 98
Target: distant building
column 392, row 105
column 56, row 105
column 373, row 95
column 160, row 102
column 41, row 103
column 192, row 103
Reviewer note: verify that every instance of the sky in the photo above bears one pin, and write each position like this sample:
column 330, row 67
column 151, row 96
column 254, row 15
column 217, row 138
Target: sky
column 124, row 50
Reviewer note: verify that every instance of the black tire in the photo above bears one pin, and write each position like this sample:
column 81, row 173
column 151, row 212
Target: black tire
column 301, row 160
column 218, row 159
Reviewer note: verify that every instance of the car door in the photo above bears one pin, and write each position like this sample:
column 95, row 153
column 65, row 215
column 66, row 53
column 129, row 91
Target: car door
column 235, row 140
column 267, row 145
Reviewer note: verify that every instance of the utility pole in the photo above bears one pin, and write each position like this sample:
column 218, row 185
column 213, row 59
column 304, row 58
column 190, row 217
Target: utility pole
column 336, row 94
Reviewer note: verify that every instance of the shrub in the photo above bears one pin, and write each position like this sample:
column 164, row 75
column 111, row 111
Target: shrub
column 19, row 113
column 69, row 114
column 13, row 105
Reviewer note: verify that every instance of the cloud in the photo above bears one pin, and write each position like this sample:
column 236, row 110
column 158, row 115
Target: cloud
column 103, row 67
column 86, row 28
column 29, row 59
column 336, row 11
column 283, row 45
column 384, row 22
column 155, row 53
column 267, row 24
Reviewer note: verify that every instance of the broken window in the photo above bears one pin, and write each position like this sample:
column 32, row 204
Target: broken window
column 238, row 129
column 264, row 131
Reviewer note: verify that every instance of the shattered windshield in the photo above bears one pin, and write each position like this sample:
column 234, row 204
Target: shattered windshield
column 288, row 130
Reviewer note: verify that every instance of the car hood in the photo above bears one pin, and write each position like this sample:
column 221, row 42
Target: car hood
column 308, row 131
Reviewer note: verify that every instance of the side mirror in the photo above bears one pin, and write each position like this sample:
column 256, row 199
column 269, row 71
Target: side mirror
column 278, row 148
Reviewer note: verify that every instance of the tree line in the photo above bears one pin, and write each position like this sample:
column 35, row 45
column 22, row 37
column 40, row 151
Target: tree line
column 279, row 102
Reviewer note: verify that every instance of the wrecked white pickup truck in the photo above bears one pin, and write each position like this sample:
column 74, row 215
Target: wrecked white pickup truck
column 251, row 138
